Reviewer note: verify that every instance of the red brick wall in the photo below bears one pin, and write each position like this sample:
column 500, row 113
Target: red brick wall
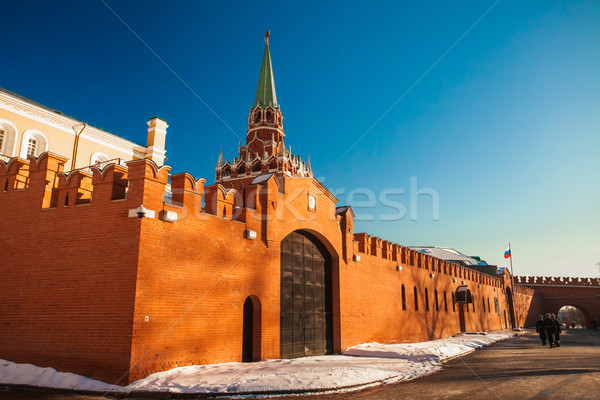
column 552, row 293
column 68, row 279
column 93, row 291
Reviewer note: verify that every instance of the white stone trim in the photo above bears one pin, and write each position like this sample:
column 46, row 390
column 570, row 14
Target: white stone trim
column 264, row 127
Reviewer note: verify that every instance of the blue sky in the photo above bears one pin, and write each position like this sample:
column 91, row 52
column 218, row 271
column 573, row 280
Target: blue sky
column 505, row 128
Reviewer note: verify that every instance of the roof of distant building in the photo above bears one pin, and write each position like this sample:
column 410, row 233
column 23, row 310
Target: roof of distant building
column 449, row 254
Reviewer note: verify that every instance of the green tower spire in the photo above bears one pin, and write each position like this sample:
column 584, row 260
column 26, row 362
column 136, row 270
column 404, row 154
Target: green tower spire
column 265, row 92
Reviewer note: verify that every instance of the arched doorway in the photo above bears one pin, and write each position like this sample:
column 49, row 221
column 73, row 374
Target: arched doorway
column 306, row 297
column 510, row 306
column 573, row 317
column 251, row 332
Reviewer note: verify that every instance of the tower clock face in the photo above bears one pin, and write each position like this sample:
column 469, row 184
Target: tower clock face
column 312, row 203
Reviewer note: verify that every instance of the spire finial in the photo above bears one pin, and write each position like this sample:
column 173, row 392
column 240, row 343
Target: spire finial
column 265, row 91
column 220, row 161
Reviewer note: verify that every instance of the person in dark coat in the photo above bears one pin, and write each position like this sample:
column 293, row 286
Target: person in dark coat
column 557, row 330
column 539, row 328
column 550, row 329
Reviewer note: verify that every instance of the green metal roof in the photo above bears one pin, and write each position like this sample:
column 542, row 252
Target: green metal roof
column 265, row 92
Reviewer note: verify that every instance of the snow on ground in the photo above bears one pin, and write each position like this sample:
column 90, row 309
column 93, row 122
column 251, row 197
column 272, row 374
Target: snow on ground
column 359, row 366
column 27, row 374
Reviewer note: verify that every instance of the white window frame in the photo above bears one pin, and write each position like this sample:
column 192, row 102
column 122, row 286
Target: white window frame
column 98, row 157
column 2, row 136
column 42, row 142
column 11, row 134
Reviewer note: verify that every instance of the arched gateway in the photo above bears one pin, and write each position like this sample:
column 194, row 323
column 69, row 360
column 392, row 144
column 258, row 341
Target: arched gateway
column 306, row 298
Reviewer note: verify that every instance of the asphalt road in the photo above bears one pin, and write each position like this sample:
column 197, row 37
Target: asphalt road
column 519, row 368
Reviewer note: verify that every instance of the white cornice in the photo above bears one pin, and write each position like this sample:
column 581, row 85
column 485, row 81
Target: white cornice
column 269, row 128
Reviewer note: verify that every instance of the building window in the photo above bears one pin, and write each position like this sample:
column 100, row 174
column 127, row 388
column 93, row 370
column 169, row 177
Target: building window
column 453, row 302
column 1, row 139
column 426, row 300
column 445, row 302
column 31, row 147
column 437, row 304
column 403, row 299
column 416, row 299
column 496, row 305
column 33, row 143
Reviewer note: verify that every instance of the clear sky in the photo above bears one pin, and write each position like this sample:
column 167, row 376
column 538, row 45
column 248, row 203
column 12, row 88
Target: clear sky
column 494, row 107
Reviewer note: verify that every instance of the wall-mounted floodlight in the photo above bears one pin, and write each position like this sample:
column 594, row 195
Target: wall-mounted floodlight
column 141, row 212
column 250, row 234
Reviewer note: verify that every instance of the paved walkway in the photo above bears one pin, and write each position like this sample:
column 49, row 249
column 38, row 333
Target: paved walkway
column 519, row 368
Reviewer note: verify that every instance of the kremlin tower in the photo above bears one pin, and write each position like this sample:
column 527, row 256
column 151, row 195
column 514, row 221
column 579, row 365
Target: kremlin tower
column 265, row 151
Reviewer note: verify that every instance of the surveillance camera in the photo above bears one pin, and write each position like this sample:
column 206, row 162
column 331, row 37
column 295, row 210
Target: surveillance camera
column 141, row 211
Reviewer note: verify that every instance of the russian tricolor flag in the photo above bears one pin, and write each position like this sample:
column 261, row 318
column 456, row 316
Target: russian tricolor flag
column 507, row 253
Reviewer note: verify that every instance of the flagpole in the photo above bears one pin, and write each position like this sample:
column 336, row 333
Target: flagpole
column 514, row 296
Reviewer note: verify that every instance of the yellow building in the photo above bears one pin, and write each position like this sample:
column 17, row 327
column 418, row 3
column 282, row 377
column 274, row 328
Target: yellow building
column 28, row 128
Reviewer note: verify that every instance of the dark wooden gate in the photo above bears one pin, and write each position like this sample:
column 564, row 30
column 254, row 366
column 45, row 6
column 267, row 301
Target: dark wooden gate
column 306, row 307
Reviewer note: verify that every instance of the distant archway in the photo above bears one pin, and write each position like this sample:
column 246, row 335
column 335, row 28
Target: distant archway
column 570, row 315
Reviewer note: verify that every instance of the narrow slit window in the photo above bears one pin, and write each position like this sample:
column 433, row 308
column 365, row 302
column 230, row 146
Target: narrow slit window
column 416, row 299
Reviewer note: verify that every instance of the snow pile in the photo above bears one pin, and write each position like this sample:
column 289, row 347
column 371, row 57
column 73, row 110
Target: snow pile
column 436, row 350
column 27, row 374
column 361, row 365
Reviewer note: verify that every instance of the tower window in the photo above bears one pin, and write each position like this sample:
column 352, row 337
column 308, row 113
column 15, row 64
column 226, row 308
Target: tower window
column 269, row 116
column 1, row 139
column 257, row 116
column 31, row 147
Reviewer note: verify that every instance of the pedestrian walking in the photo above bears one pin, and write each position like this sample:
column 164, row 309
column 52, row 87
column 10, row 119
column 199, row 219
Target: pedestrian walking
column 557, row 330
column 539, row 328
column 550, row 328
